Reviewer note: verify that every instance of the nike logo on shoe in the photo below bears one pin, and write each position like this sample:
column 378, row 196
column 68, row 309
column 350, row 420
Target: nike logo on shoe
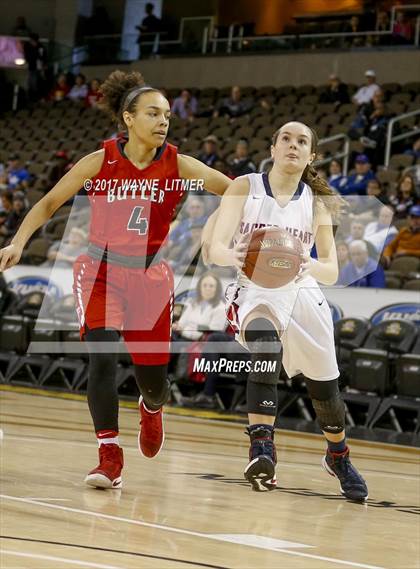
column 319, row 303
column 112, row 161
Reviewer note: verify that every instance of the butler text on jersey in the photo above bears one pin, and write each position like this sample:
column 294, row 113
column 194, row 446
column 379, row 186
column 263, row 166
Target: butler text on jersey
column 145, row 189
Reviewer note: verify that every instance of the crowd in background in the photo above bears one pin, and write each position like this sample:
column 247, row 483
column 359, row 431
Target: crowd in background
column 374, row 233
column 368, row 127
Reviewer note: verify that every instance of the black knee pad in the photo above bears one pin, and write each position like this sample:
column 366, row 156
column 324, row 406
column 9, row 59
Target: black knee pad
column 322, row 390
column 328, row 405
column 153, row 384
column 265, row 347
column 262, row 398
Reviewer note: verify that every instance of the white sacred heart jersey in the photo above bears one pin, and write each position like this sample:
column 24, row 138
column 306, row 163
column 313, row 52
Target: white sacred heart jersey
column 262, row 210
column 300, row 310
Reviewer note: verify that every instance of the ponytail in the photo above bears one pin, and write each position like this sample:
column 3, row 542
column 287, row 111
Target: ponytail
column 323, row 193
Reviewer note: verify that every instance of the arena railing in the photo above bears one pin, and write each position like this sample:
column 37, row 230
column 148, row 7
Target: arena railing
column 344, row 154
column 390, row 138
column 210, row 42
column 240, row 40
column 398, row 8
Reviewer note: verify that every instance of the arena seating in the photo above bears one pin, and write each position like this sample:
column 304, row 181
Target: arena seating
column 387, row 379
column 55, row 127
column 67, row 126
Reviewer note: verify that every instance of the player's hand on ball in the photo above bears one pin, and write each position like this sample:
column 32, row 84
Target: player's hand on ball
column 9, row 256
column 239, row 252
column 305, row 267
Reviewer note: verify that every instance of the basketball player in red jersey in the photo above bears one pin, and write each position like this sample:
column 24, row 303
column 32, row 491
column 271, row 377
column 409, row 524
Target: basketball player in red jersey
column 122, row 286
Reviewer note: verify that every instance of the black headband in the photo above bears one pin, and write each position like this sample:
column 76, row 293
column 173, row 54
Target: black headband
column 132, row 95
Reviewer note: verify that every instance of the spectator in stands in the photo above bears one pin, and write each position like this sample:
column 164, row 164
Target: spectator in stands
column 60, row 165
column 221, row 166
column 79, row 91
column 36, row 59
column 3, row 217
column 404, row 197
column 365, row 93
column 380, row 233
column 353, row 26
column 205, row 312
column 336, row 178
column 361, row 270
column 357, row 182
column 94, row 94
column 149, row 27
column 407, row 241
column 232, row 350
column 3, row 181
column 18, row 176
column 6, row 203
column 233, row 106
column 336, row 92
column 209, row 153
column 375, row 189
column 343, row 255
column 185, row 106
column 365, row 209
column 60, row 90
column 357, row 230
column 21, row 28
column 14, row 218
column 64, row 253
column 382, row 24
column 364, row 115
column 414, row 150
column 184, row 240
column 374, row 135
column 241, row 162
column 402, row 31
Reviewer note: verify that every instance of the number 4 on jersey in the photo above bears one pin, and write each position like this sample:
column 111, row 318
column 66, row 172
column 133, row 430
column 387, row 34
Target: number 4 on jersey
column 137, row 223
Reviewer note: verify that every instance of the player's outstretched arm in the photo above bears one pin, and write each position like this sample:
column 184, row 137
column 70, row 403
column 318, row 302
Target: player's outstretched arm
column 67, row 187
column 325, row 268
column 192, row 169
column 226, row 223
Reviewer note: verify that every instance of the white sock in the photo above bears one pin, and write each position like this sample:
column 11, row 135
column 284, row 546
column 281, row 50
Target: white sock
column 108, row 441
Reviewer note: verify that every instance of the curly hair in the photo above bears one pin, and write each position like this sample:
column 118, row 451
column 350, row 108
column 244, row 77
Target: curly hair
column 324, row 194
column 121, row 92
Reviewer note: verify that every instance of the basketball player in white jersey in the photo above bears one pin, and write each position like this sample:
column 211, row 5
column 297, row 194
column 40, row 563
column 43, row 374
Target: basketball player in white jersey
column 290, row 324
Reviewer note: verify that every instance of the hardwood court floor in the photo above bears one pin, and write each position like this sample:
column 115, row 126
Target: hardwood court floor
column 189, row 507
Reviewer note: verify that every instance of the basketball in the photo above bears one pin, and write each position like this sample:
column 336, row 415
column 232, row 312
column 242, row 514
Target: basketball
column 274, row 257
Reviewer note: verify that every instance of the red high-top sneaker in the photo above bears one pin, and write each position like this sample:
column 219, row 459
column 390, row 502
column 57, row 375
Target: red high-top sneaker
column 151, row 433
column 108, row 472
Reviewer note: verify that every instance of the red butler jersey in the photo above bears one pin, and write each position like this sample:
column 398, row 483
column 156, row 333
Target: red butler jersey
column 132, row 208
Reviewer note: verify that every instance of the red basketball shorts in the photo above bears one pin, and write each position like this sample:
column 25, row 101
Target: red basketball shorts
column 136, row 302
